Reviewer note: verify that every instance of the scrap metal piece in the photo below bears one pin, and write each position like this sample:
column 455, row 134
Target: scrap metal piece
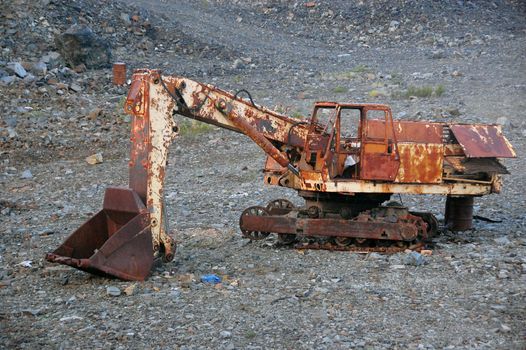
column 483, row 141
column 119, row 73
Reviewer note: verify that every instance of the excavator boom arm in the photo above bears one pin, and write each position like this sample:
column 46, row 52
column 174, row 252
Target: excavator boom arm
column 153, row 99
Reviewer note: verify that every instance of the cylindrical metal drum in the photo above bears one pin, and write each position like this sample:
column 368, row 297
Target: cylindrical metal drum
column 459, row 213
column 119, row 73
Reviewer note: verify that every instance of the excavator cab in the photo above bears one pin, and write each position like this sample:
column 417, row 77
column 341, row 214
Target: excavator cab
column 342, row 142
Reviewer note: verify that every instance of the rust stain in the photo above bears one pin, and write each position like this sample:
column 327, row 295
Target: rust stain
column 420, row 163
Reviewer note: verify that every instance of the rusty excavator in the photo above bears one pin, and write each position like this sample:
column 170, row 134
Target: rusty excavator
column 345, row 161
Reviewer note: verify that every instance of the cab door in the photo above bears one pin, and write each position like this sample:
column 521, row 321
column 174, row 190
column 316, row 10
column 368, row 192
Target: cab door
column 379, row 154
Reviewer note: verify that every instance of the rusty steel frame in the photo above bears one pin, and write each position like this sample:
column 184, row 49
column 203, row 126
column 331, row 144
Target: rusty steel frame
column 329, row 227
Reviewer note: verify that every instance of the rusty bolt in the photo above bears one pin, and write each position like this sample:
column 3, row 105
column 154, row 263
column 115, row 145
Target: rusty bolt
column 168, row 257
column 221, row 104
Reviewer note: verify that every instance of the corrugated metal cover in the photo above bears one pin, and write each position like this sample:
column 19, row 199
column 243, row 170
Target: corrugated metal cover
column 483, row 141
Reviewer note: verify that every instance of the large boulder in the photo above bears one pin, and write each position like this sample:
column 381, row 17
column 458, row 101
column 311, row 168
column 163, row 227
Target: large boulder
column 79, row 45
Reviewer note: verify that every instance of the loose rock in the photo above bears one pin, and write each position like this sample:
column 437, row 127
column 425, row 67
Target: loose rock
column 95, row 159
column 79, row 45
column 113, row 291
column 26, row 174
column 17, row 69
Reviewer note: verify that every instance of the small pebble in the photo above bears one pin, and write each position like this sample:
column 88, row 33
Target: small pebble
column 225, row 334
column 113, row 291
column 26, row 174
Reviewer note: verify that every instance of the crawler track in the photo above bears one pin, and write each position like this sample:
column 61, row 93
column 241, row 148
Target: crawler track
column 384, row 229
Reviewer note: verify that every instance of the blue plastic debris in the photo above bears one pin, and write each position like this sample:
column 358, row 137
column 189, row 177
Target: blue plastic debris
column 211, row 279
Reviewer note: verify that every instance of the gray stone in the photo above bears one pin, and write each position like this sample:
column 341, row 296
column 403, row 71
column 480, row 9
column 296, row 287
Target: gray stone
column 125, row 18
column 12, row 134
column 26, row 174
column 113, row 291
column 10, row 121
column 146, row 45
column 80, row 45
column 8, row 80
column 394, row 26
column 29, row 78
column 67, row 72
column 414, row 259
column 503, row 121
column 225, row 334
column 75, row 87
column 503, row 274
column 175, row 294
column 375, row 256
column 52, row 59
column 454, row 111
column 437, row 54
column 238, row 64
column 502, row 240
column 17, row 69
column 39, row 68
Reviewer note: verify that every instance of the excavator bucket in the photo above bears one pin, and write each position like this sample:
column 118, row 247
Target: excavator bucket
column 116, row 242
column 123, row 238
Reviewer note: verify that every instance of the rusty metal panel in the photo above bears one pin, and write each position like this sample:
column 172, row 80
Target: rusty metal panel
column 451, row 149
column 273, row 166
column 420, row 163
column 481, row 141
column 406, row 131
column 370, row 147
column 378, row 166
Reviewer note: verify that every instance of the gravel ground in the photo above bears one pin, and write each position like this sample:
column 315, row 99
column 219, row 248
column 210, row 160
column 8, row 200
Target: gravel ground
column 469, row 295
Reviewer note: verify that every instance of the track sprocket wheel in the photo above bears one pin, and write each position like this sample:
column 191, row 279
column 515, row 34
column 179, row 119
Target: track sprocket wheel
column 253, row 211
